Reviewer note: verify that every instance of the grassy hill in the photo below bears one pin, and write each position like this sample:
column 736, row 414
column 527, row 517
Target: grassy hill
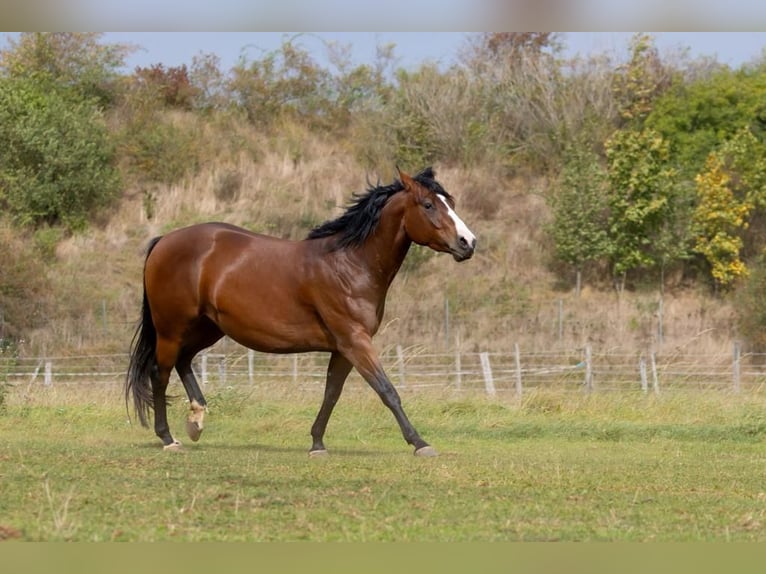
column 284, row 184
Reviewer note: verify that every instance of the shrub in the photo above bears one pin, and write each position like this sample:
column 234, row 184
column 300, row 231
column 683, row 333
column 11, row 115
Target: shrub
column 56, row 159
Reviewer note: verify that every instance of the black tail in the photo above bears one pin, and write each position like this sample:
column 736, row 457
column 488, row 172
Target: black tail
column 142, row 359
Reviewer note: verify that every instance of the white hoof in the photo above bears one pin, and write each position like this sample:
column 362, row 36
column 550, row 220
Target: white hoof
column 426, row 451
column 318, row 453
column 195, row 421
column 193, row 429
column 174, row 446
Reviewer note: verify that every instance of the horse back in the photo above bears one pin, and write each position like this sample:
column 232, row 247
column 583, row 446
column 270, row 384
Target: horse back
column 256, row 288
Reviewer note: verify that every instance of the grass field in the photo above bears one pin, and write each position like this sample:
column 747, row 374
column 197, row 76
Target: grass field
column 556, row 466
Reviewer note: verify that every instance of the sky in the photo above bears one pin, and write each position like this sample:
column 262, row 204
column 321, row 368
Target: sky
column 413, row 48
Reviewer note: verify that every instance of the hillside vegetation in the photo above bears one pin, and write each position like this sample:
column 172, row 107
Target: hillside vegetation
column 615, row 203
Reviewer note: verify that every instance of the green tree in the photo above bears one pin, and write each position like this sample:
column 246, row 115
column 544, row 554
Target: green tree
column 696, row 117
column 579, row 209
column 76, row 60
column 56, row 157
column 641, row 202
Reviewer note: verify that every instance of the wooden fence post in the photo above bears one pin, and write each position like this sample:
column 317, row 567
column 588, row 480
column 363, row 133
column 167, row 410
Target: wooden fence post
column 486, row 368
column 655, row 378
column 458, row 368
column 642, row 370
column 48, row 373
column 588, row 369
column 518, row 368
column 561, row 320
column 203, row 367
column 736, row 366
column 250, row 363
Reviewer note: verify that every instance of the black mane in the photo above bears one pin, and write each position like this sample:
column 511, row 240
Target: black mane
column 362, row 215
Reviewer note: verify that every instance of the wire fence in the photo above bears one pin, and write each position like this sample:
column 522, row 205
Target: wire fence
column 582, row 369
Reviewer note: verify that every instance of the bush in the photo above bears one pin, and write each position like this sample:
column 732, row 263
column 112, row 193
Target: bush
column 750, row 307
column 23, row 286
column 55, row 155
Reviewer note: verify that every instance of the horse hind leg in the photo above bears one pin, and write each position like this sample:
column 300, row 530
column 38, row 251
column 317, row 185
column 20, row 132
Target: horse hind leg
column 160, row 376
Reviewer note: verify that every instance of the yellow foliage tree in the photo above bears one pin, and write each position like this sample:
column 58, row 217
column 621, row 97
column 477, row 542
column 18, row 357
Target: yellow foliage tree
column 718, row 222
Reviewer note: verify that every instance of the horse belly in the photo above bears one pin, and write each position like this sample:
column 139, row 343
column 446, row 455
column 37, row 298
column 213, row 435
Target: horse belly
column 269, row 329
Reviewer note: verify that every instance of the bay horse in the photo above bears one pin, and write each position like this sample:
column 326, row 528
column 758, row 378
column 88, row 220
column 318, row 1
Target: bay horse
column 324, row 293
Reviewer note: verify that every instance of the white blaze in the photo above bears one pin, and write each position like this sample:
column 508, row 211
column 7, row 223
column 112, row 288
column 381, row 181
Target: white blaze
column 460, row 227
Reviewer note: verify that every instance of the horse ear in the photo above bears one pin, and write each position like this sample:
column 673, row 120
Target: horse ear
column 406, row 180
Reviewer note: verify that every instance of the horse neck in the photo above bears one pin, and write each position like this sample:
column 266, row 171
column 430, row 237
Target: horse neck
column 385, row 250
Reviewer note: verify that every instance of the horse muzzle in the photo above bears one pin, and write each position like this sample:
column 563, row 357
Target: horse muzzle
column 464, row 249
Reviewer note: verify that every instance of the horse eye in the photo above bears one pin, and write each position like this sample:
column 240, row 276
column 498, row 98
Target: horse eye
column 428, row 205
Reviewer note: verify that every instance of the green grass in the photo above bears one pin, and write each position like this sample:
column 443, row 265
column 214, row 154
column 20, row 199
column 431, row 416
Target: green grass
column 558, row 466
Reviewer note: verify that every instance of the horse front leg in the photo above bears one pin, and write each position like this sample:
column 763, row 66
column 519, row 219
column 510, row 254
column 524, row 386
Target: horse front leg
column 337, row 371
column 364, row 358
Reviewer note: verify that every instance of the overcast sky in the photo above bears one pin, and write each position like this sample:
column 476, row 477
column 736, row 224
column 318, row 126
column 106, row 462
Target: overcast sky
column 413, row 48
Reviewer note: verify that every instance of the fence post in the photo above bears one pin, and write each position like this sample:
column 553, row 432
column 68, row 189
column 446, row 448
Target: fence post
column 458, row 368
column 48, row 373
column 446, row 323
column 588, row 368
column 400, row 363
column 489, row 383
column 295, row 369
column 655, row 378
column 642, row 370
column 203, row 368
column 250, row 361
column 736, row 366
column 518, row 368
column 561, row 320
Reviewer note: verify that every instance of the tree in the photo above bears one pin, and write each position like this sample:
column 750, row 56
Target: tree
column 731, row 195
column 638, row 83
column 284, row 83
column 697, row 117
column 641, row 202
column 75, row 60
column 718, row 221
column 56, row 157
column 578, row 206
column 171, row 85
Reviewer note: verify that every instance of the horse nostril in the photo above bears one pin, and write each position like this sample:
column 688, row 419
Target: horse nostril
column 465, row 244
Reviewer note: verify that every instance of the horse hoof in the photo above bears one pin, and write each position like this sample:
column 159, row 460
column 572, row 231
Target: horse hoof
column 426, row 451
column 193, row 430
column 318, row 453
column 174, row 446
